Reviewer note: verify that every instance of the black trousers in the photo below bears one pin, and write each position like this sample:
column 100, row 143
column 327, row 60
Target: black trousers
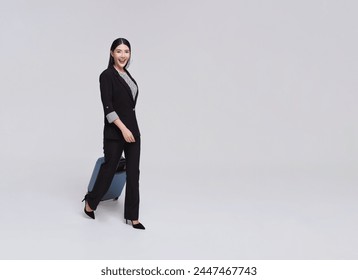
column 113, row 150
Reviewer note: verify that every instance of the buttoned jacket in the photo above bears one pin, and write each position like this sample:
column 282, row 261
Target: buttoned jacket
column 117, row 96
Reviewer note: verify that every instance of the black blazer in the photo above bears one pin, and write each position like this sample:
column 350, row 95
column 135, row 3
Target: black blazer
column 117, row 96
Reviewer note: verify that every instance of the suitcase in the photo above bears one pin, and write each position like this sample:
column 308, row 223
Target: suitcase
column 118, row 181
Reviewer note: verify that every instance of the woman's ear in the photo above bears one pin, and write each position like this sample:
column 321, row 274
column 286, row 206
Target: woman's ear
column 111, row 54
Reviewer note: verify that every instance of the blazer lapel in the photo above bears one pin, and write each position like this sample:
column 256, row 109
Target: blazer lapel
column 136, row 96
column 129, row 91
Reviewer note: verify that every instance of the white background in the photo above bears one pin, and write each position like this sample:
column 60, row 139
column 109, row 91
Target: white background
column 248, row 117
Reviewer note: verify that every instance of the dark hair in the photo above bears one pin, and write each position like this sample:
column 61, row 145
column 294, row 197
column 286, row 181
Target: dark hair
column 114, row 45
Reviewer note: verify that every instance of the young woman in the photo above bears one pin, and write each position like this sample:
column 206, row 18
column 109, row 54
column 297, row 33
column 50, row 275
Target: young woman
column 119, row 92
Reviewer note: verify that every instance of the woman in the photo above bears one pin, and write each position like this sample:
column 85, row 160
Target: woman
column 119, row 94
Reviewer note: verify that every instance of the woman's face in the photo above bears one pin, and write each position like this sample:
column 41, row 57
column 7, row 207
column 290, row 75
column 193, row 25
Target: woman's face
column 121, row 55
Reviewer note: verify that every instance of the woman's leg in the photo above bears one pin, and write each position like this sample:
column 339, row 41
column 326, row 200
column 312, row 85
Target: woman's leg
column 131, row 203
column 112, row 153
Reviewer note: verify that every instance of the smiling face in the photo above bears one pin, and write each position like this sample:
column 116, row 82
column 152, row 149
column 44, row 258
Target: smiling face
column 121, row 55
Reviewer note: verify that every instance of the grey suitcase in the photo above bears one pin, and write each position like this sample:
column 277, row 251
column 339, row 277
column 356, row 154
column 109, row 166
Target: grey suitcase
column 118, row 181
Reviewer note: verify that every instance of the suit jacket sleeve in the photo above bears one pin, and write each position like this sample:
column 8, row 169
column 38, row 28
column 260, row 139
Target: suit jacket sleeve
column 106, row 93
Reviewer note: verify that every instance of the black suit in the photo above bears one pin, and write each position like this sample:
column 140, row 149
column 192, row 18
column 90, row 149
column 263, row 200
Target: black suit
column 117, row 97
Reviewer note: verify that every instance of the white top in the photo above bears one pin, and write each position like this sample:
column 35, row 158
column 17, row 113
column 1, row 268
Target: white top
column 130, row 83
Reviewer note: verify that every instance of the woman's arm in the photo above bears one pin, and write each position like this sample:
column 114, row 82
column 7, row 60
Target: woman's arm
column 127, row 134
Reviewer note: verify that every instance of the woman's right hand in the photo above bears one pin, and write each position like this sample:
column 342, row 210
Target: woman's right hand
column 127, row 135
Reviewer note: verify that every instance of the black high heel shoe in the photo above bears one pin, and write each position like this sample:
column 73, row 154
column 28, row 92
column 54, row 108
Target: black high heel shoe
column 137, row 226
column 89, row 213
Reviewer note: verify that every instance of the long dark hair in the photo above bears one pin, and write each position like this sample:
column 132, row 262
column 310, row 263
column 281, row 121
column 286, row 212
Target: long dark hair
column 114, row 45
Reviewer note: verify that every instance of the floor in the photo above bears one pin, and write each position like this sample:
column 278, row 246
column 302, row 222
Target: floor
column 222, row 214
